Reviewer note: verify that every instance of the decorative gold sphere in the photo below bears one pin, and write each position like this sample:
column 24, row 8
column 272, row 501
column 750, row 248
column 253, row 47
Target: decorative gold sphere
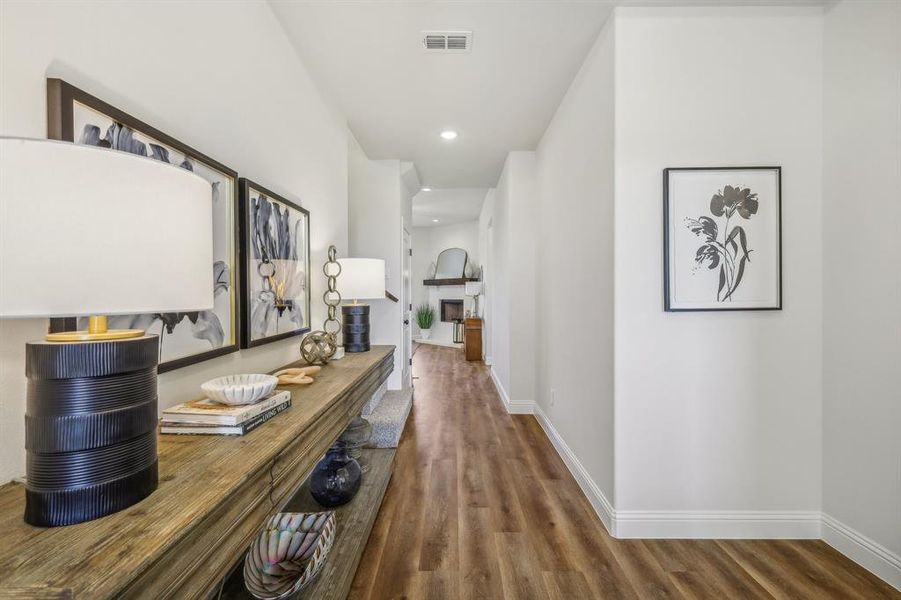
column 318, row 347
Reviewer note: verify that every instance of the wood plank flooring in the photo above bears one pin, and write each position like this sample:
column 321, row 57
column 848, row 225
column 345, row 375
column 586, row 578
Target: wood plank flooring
column 481, row 506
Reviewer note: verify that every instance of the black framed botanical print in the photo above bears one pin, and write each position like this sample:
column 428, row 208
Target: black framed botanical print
column 275, row 266
column 185, row 338
column 722, row 230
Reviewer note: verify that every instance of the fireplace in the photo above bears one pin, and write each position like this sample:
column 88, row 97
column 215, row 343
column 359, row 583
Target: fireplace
column 451, row 310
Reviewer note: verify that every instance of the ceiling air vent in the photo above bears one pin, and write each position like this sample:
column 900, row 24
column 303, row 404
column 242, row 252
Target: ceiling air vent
column 447, row 41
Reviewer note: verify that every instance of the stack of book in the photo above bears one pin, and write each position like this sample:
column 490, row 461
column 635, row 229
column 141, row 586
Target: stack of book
column 206, row 417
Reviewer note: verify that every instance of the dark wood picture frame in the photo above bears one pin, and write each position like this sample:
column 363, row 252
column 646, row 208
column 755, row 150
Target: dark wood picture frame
column 61, row 100
column 244, row 252
column 666, row 239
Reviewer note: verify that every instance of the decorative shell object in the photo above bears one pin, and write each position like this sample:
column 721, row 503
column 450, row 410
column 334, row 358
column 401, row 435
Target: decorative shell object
column 288, row 553
column 297, row 375
column 239, row 389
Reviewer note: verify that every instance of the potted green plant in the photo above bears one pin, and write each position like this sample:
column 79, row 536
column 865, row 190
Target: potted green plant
column 425, row 316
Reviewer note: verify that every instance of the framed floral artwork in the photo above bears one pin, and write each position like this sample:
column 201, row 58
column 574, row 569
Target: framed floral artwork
column 275, row 263
column 189, row 337
column 722, row 238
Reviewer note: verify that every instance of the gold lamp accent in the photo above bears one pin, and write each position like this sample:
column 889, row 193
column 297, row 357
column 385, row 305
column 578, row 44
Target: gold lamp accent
column 97, row 331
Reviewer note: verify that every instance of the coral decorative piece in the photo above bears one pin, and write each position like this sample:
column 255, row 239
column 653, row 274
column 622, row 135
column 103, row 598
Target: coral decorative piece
column 288, row 553
column 239, row 389
column 297, row 375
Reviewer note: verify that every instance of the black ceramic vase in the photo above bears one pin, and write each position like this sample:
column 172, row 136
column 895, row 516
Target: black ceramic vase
column 336, row 479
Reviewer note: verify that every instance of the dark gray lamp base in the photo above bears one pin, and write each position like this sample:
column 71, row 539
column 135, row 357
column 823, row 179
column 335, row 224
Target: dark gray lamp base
column 90, row 428
column 356, row 327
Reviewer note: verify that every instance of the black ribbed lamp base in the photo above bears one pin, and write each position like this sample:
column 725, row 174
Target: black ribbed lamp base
column 355, row 327
column 90, row 428
column 76, row 505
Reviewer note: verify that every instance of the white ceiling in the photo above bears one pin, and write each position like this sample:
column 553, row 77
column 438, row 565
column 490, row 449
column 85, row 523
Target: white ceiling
column 367, row 56
column 452, row 205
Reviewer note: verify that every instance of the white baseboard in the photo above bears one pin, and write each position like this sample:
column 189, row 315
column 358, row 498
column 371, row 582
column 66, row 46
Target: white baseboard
column 595, row 496
column 870, row 555
column 757, row 524
column 489, row 361
column 725, row 524
column 681, row 524
column 514, row 407
column 500, row 388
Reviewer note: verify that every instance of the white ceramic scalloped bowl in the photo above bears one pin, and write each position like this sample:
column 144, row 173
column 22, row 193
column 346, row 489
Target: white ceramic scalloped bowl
column 239, row 389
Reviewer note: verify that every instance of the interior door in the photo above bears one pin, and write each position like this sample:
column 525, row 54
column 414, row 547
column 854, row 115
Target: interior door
column 407, row 308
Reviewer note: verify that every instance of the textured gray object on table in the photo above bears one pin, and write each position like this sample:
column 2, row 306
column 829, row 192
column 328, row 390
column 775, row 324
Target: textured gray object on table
column 389, row 417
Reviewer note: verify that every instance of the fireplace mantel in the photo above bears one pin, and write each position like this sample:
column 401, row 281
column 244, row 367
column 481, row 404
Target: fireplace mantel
column 453, row 281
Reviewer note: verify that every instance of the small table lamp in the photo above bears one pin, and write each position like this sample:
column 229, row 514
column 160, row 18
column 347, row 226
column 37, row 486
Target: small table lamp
column 89, row 231
column 474, row 290
column 361, row 279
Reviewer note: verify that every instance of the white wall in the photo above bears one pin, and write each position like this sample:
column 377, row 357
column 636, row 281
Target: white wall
column 717, row 411
column 223, row 79
column 575, row 266
column 862, row 279
column 746, row 424
column 500, row 284
column 522, row 212
column 690, row 424
column 486, row 242
column 513, row 283
column 378, row 204
column 428, row 242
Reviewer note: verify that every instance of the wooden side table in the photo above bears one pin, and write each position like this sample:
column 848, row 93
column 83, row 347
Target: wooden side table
column 472, row 338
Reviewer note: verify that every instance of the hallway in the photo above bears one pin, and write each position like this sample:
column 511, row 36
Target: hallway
column 481, row 506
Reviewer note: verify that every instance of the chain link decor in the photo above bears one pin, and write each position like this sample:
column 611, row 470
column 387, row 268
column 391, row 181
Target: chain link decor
column 318, row 347
column 332, row 297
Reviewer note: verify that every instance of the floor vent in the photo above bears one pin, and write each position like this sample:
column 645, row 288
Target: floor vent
column 447, row 41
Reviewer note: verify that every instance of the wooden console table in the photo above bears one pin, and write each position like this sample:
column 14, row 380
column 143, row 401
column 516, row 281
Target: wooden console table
column 214, row 495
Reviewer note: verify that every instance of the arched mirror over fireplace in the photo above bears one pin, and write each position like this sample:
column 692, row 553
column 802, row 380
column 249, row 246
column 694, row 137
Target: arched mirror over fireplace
column 451, row 264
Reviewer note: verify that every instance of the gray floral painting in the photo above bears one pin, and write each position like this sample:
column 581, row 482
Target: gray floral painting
column 723, row 238
column 182, row 335
column 731, row 255
column 275, row 235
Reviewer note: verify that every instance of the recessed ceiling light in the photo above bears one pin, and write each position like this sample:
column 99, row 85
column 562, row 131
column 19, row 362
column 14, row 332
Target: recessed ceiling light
column 426, row 189
column 434, row 220
column 449, row 134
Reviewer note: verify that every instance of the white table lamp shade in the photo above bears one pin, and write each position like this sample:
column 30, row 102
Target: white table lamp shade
column 90, row 231
column 361, row 278
column 473, row 288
